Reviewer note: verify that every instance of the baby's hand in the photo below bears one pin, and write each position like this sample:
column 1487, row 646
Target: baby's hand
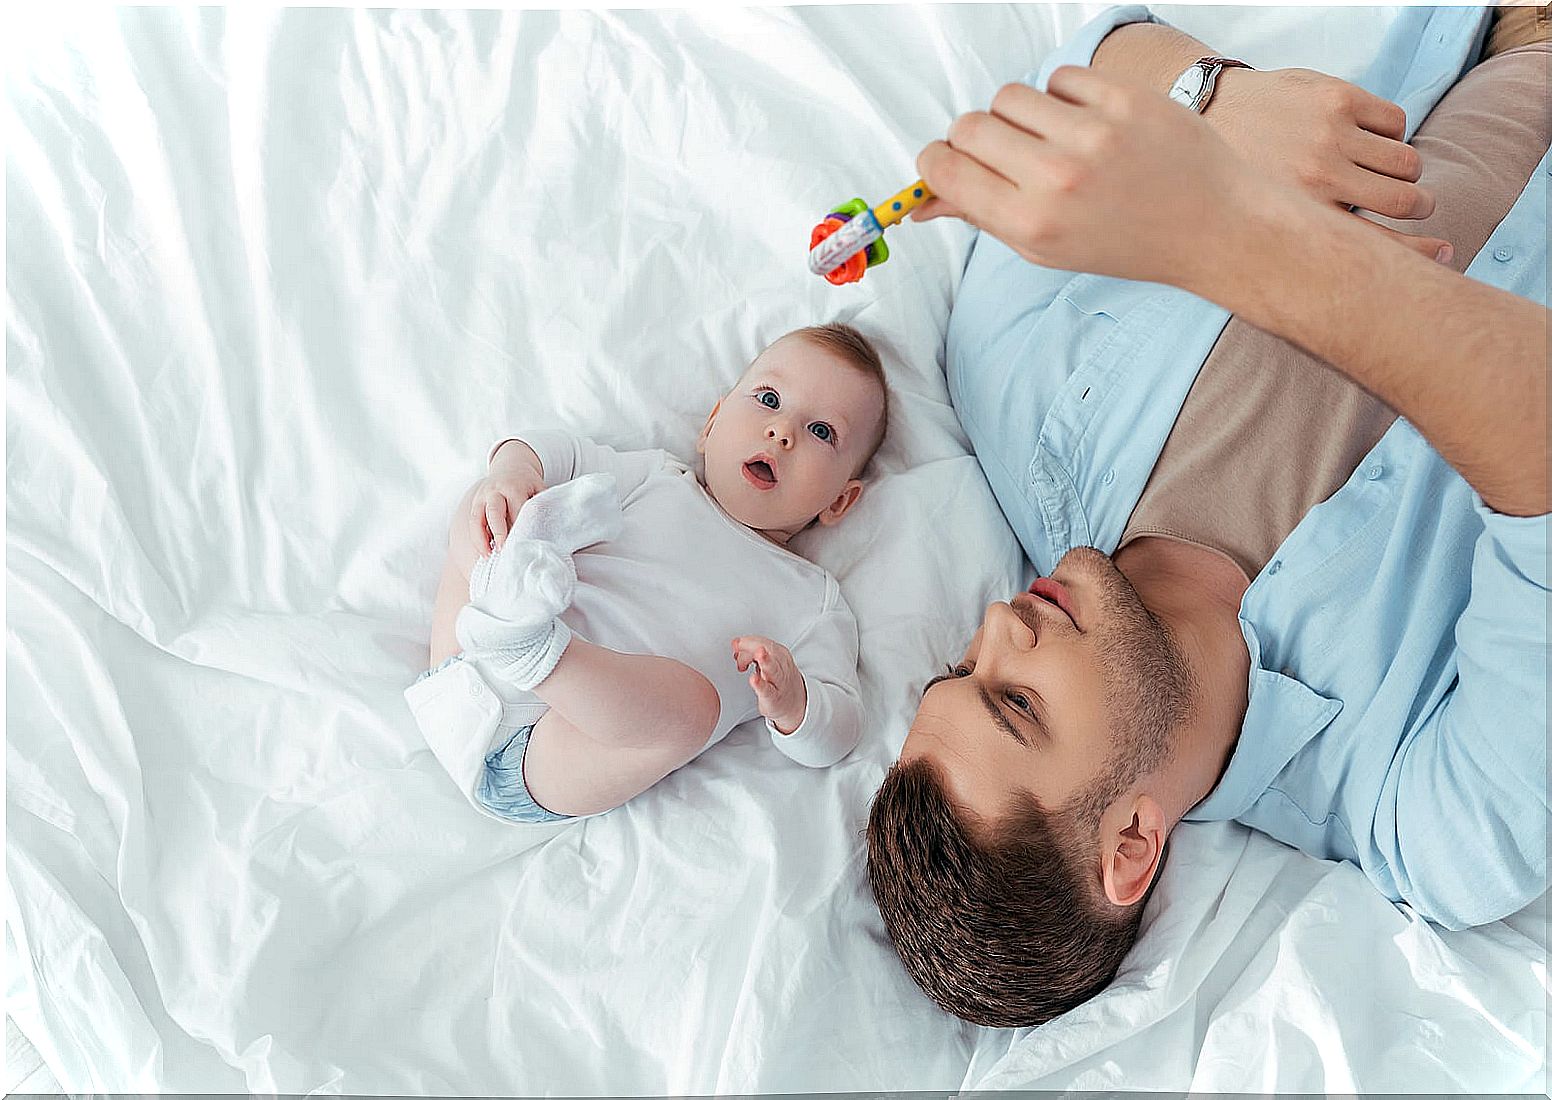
column 775, row 678
column 514, row 476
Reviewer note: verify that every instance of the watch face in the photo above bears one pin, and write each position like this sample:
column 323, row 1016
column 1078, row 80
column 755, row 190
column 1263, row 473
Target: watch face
column 1188, row 86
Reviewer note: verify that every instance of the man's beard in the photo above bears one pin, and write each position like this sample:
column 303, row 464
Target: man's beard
column 1149, row 688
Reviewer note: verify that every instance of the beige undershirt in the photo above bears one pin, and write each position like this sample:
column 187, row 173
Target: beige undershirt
column 1268, row 432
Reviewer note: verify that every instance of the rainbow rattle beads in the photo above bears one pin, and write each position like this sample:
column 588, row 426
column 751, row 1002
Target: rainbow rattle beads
column 851, row 238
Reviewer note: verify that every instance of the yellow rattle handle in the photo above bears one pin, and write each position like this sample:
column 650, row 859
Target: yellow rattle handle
column 893, row 209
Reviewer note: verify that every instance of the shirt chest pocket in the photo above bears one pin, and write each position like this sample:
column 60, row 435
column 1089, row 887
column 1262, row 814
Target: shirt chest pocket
column 1083, row 321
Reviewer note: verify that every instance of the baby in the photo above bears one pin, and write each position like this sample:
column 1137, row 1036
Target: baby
column 604, row 617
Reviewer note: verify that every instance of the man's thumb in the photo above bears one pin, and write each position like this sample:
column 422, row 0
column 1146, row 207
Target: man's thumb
column 1434, row 248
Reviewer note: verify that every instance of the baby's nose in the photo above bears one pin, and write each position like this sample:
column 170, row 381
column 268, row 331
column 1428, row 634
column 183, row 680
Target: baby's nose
column 780, row 435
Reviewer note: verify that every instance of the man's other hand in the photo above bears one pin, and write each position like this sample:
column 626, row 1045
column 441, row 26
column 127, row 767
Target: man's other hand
column 1104, row 174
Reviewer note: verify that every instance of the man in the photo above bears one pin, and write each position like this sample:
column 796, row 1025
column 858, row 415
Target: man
column 1311, row 600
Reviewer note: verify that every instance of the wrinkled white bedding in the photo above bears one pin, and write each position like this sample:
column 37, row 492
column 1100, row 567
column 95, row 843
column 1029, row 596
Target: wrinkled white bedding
column 275, row 280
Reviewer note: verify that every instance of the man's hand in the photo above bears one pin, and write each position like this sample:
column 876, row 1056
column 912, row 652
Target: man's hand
column 1331, row 139
column 515, row 475
column 1106, row 175
column 1295, row 127
column 774, row 675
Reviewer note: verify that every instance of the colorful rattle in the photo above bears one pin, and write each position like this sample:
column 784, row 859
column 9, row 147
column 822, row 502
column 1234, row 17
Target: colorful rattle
column 851, row 238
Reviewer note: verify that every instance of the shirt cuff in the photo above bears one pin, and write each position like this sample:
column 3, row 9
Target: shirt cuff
column 1079, row 49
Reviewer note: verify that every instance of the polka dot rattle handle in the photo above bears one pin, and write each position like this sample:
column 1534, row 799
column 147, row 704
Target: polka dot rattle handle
column 893, row 209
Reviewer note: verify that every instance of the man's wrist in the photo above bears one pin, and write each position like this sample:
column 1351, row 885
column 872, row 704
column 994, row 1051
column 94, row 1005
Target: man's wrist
column 1248, row 245
column 1282, row 250
column 1228, row 92
column 1152, row 52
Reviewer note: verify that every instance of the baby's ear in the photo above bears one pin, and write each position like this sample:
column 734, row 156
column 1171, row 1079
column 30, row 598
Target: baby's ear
column 700, row 440
column 842, row 503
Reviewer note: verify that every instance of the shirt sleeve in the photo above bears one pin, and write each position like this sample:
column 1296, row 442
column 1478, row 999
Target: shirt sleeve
column 1468, row 790
column 827, row 657
column 1079, row 49
column 564, row 456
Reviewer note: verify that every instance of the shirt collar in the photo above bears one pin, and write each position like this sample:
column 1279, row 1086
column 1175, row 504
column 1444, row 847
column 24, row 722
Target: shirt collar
column 1282, row 717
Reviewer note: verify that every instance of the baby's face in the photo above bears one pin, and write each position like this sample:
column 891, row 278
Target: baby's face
column 786, row 443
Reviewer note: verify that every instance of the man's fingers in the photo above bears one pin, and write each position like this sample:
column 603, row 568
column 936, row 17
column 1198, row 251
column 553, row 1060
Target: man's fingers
column 1391, row 197
column 1078, row 84
column 1434, row 248
column 934, row 208
column 1384, row 155
column 977, row 193
column 1033, row 111
column 1009, row 150
column 1378, row 116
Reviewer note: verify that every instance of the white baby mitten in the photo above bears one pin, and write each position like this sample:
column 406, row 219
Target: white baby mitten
column 517, row 594
column 572, row 515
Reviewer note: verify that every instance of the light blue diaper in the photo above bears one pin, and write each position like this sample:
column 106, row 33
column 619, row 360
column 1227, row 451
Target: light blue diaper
column 502, row 789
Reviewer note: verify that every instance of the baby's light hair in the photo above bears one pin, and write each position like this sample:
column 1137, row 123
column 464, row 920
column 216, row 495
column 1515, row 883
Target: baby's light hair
column 853, row 347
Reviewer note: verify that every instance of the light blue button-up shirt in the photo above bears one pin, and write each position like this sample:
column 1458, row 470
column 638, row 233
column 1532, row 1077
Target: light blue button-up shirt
column 1398, row 638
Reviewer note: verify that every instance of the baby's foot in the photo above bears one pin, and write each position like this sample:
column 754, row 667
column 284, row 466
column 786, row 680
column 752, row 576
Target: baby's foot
column 517, row 594
column 514, row 592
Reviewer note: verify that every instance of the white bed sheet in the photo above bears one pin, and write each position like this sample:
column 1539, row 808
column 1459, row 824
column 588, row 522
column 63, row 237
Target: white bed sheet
column 274, row 282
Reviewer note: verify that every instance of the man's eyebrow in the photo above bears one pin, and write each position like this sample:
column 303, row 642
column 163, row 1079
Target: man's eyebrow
column 998, row 717
column 992, row 709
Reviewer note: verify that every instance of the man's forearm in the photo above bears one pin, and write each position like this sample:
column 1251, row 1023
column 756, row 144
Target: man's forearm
column 1151, row 52
column 1464, row 362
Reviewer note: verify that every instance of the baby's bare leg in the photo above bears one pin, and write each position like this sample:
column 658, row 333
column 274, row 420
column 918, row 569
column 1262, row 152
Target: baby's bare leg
column 618, row 722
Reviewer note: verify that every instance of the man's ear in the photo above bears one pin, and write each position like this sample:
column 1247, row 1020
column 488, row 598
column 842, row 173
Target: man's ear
column 842, row 503
column 1132, row 836
column 700, row 440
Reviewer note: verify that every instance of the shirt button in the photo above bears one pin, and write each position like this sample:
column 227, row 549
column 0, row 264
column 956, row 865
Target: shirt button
column 1109, row 477
column 475, row 691
column 1275, row 568
column 1503, row 254
column 1374, row 471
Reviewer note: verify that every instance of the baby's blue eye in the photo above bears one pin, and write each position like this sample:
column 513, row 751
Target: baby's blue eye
column 822, row 431
column 769, row 399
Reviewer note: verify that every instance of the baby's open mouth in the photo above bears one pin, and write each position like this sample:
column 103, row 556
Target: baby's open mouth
column 758, row 473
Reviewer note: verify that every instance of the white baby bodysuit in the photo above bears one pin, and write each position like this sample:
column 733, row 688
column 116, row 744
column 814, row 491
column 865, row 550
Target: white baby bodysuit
column 683, row 579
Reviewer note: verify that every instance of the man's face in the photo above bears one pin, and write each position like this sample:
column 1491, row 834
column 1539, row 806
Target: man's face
column 1068, row 683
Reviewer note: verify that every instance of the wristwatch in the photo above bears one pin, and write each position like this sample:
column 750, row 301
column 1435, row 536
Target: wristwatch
column 1194, row 87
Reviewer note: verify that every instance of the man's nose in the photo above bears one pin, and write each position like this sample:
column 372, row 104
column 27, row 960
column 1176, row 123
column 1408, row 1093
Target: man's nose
column 779, row 433
column 1004, row 631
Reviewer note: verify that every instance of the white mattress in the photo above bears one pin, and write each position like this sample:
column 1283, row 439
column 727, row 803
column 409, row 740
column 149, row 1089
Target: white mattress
column 274, row 283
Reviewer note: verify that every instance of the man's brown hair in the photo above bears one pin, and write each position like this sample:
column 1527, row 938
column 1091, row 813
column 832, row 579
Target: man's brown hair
column 1009, row 931
column 855, row 348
